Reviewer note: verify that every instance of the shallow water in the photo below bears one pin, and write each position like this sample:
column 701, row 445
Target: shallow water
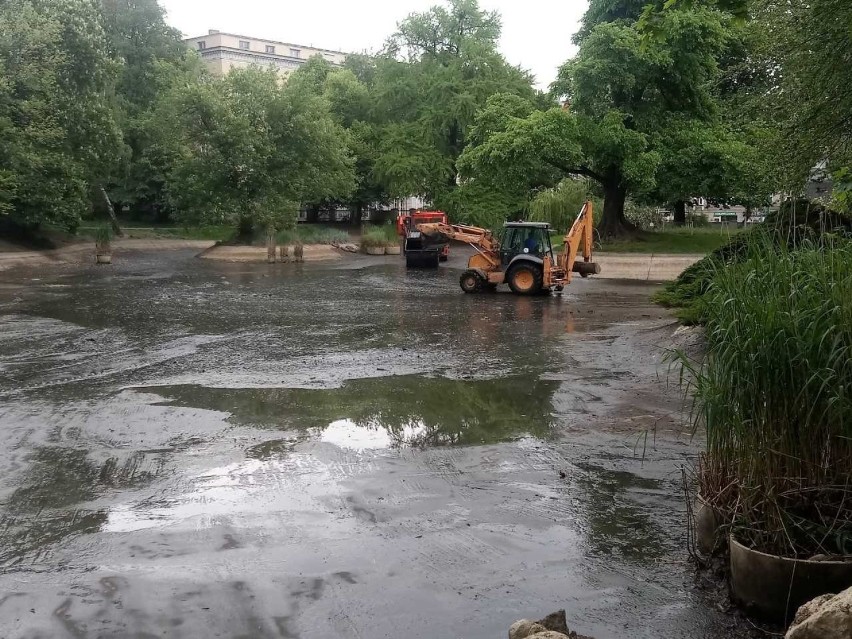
column 198, row 449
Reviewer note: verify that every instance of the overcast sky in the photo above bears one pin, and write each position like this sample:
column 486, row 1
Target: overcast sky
column 536, row 33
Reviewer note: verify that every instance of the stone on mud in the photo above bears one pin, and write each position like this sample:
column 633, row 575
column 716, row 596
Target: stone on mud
column 553, row 626
column 826, row 617
column 556, row 621
column 523, row 628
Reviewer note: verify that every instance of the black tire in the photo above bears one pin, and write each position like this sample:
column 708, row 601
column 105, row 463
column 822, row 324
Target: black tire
column 525, row 279
column 471, row 282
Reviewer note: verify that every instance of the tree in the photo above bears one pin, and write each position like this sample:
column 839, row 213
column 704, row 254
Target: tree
column 812, row 57
column 57, row 130
column 351, row 106
column 438, row 70
column 620, row 93
column 247, row 151
column 154, row 57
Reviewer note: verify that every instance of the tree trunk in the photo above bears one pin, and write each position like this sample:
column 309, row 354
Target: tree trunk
column 613, row 224
column 358, row 212
column 245, row 230
column 680, row 213
column 111, row 212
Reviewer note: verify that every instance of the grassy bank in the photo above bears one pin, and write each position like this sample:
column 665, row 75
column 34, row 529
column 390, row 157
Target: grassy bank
column 673, row 240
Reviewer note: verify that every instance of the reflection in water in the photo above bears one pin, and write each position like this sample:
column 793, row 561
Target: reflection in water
column 348, row 434
column 389, row 412
column 619, row 524
column 44, row 510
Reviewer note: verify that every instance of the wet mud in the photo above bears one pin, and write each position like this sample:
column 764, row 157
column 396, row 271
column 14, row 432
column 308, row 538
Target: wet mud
column 203, row 449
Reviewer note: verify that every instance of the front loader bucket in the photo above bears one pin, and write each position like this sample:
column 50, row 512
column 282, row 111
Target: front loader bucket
column 425, row 258
column 587, row 268
column 418, row 253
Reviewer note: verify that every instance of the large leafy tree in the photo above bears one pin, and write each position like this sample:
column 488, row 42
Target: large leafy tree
column 153, row 57
column 248, row 151
column 347, row 91
column 811, row 55
column 439, row 69
column 57, row 131
column 621, row 95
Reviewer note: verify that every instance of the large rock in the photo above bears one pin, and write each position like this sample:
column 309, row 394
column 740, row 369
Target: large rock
column 826, row 617
column 553, row 626
column 523, row 628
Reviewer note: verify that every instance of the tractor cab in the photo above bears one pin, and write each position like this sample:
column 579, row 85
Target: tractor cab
column 525, row 238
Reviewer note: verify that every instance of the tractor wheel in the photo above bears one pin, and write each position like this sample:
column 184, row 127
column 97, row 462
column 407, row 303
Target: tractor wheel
column 471, row 282
column 525, row 279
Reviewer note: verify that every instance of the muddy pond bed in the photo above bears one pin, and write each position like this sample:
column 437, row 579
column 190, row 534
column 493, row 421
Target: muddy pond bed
column 202, row 449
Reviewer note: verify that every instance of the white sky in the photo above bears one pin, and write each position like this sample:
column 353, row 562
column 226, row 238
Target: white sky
column 536, row 33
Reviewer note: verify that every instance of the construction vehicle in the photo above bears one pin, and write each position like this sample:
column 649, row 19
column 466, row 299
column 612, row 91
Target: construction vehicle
column 421, row 250
column 524, row 257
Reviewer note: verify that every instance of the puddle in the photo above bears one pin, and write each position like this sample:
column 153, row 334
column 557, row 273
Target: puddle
column 388, row 412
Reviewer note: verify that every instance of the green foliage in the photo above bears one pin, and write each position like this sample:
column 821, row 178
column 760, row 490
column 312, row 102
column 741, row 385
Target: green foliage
column 773, row 395
column 57, row 131
column 625, row 98
column 559, row 206
column 439, row 69
column 103, row 236
column 153, row 58
column 378, row 236
column 247, row 151
column 312, row 234
column 808, row 48
column 796, row 222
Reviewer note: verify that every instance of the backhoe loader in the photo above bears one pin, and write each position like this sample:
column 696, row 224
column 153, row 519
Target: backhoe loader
column 524, row 259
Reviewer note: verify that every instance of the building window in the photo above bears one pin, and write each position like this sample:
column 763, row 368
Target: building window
column 244, row 45
column 202, row 45
column 270, row 48
column 295, row 53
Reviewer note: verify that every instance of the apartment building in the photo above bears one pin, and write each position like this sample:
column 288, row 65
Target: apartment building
column 225, row 51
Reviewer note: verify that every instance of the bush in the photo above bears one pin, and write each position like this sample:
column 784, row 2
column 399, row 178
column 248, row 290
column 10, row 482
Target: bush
column 103, row 236
column 384, row 235
column 774, row 393
column 375, row 237
column 795, row 223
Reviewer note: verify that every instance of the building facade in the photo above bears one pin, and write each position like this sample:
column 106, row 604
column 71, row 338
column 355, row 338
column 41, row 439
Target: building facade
column 225, row 51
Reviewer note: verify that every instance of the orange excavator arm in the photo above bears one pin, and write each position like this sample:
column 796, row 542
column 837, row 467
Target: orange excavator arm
column 577, row 239
column 481, row 239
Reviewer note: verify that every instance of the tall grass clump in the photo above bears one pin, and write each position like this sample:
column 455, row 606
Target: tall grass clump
column 797, row 223
column 378, row 236
column 311, row 234
column 774, row 393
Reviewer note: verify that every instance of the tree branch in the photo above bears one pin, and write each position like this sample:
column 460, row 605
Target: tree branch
column 579, row 170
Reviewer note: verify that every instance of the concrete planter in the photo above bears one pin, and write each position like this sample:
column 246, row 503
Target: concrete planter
column 773, row 587
column 711, row 527
column 393, row 250
column 375, row 250
column 103, row 258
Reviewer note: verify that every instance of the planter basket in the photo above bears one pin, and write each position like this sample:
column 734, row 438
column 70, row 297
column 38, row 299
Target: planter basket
column 393, row 250
column 375, row 250
column 773, row 587
column 711, row 527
